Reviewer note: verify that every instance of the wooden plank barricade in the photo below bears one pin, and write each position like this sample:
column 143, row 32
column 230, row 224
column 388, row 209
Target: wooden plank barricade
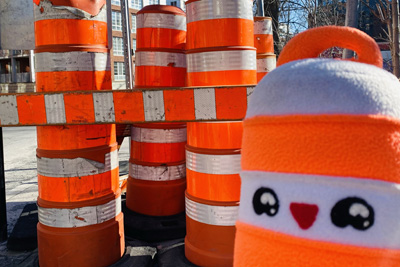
column 124, row 106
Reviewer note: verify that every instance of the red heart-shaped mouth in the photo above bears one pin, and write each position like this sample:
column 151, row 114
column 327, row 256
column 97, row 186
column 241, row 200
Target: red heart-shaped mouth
column 304, row 214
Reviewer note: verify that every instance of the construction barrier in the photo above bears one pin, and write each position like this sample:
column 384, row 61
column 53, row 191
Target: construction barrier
column 125, row 106
column 157, row 178
column 263, row 35
column 218, row 23
column 157, row 183
column 79, row 203
column 265, row 64
column 161, row 27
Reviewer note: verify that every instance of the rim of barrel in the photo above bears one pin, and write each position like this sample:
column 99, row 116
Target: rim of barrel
column 265, row 55
column 262, row 18
column 162, row 9
column 220, row 48
column 158, row 49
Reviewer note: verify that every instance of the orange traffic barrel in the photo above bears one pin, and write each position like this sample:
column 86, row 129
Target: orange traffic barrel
column 222, row 66
column 160, row 67
column 219, row 23
column 213, row 191
column 265, row 64
column 157, row 177
column 321, row 158
column 79, row 204
column 263, row 37
column 161, row 26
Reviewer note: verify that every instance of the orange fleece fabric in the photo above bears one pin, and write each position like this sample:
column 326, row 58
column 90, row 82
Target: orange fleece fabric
column 268, row 248
column 338, row 145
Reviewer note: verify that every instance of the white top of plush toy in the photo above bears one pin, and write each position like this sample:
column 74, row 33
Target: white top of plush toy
column 326, row 86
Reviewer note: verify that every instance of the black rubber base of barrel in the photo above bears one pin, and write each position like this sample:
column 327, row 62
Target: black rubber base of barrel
column 24, row 235
column 153, row 229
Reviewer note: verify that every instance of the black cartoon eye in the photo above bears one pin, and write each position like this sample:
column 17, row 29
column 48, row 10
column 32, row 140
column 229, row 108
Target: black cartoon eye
column 265, row 201
column 353, row 211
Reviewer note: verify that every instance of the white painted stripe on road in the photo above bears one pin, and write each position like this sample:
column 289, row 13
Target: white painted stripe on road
column 104, row 107
column 213, row 164
column 219, row 9
column 77, row 167
column 55, row 108
column 159, row 136
column 161, row 20
column 221, row 60
column 79, row 217
column 160, row 59
column 213, row 215
column 72, row 61
column 153, row 102
column 204, row 104
column 157, row 173
column 8, row 110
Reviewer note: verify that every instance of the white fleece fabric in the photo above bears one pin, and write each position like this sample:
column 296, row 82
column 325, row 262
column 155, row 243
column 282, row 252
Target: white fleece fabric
column 325, row 192
column 326, row 86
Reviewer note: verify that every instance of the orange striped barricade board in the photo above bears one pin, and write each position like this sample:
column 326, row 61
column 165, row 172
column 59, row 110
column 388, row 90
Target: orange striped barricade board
column 125, row 106
column 263, row 36
column 213, row 23
column 265, row 64
column 161, row 26
column 221, row 66
column 160, row 68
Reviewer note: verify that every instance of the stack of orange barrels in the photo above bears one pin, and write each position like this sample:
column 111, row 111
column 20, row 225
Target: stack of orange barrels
column 264, row 43
column 220, row 52
column 79, row 203
column 157, row 178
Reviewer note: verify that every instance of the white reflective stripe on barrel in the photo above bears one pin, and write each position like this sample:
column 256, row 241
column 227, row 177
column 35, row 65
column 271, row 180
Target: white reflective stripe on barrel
column 263, row 26
column 161, row 59
column 221, row 60
column 72, row 61
column 213, row 164
column 213, row 215
column 77, row 167
column 161, row 20
column 219, row 9
column 266, row 64
column 79, row 217
column 157, row 173
column 46, row 10
column 159, row 136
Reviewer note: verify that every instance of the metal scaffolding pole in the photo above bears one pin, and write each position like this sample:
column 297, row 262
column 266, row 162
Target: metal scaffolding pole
column 3, row 207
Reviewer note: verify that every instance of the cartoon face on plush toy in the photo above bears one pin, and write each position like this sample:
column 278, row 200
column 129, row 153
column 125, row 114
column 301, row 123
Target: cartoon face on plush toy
column 352, row 211
column 344, row 210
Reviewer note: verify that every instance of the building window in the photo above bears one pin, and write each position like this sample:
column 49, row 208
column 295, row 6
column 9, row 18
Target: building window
column 119, row 71
column 133, row 23
column 116, row 2
column 174, row 3
column 136, row 4
column 116, row 21
column 153, row 2
column 134, row 45
column 118, row 46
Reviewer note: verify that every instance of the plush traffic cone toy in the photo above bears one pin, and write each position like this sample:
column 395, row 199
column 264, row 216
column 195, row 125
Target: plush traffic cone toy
column 321, row 159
